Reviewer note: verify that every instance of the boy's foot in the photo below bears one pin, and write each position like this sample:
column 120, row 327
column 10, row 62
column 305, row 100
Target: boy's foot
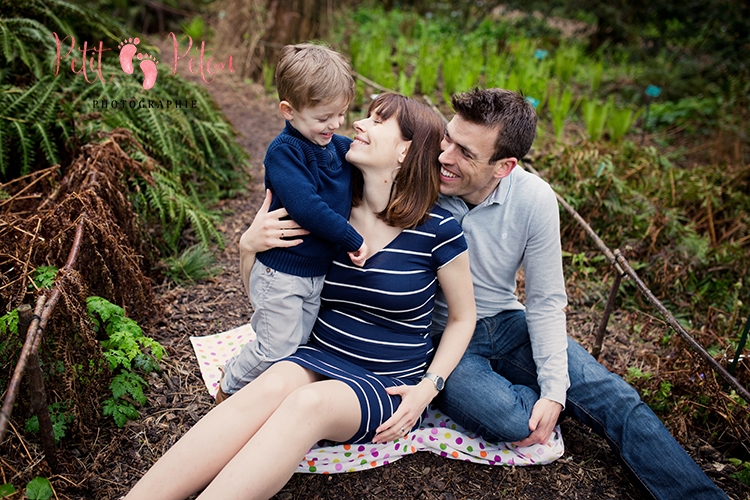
column 220, row 394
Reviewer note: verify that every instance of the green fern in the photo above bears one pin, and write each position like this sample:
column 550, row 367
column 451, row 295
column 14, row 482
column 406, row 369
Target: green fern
column 199, row 159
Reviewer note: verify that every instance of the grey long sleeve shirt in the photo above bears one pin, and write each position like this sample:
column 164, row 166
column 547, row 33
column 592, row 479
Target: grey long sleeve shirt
column 519, row 225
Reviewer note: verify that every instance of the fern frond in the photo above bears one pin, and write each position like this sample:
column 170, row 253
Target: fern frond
column 17, row 34
column 27, row 147
column 204, row 227
column 28, row 94
column 48, row 145
column 43, row 98
column 3, row 157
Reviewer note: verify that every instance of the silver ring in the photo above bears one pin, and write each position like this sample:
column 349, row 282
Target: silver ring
column 282, row 234
column 402, row 430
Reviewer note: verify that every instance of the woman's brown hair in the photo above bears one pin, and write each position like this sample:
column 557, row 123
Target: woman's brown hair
column 416, row 183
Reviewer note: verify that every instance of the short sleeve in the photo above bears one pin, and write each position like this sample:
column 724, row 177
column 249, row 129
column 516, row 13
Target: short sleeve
column 449, row 241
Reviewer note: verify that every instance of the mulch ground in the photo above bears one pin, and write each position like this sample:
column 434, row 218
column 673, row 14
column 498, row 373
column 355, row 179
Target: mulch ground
column 107, row 466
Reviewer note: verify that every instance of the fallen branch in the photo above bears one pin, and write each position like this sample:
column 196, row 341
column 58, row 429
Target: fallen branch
column 42, row 312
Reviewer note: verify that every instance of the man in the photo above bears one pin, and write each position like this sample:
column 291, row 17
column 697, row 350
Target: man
column 521, row 370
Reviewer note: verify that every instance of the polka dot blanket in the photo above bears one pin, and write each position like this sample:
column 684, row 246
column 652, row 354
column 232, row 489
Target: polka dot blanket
column 438, row 433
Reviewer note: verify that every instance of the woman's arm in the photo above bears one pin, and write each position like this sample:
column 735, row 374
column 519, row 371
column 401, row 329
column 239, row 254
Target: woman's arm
column 455, row 281
column 265, row 233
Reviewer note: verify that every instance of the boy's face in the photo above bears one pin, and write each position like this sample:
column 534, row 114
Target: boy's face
column 317, row 123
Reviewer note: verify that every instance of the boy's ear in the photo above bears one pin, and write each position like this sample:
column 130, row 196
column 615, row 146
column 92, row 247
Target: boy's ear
column 287, row 111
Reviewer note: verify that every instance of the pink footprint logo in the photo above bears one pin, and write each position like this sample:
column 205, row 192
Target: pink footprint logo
column 148, row 64
column 127, row 51
column 150, row 71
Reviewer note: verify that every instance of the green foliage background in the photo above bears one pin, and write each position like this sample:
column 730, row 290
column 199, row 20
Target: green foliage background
column 44, row 118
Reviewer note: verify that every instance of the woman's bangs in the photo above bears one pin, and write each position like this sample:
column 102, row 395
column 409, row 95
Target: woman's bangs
column 385, row 105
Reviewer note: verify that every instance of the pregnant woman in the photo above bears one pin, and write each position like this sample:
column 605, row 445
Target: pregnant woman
column 369, row 370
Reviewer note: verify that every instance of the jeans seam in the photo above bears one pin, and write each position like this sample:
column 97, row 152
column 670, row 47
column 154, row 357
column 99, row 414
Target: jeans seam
column 612, row 444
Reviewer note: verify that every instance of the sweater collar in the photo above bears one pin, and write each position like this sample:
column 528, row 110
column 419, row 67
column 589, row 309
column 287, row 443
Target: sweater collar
column 289, row 129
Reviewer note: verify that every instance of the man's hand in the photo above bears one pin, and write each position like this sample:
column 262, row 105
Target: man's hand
column 543, row 419
column 360, row 256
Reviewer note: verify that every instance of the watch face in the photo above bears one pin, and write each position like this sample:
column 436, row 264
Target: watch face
column 439, row 383
column 436, row 379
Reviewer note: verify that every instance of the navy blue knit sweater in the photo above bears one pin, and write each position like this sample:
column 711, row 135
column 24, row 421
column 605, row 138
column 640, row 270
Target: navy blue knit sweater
column 313, row 183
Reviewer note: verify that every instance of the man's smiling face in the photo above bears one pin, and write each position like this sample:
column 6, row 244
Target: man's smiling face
column 466, row 171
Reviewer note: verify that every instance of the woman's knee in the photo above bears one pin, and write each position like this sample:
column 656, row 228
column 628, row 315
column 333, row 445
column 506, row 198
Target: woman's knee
column 275, row 383
column 307, row 400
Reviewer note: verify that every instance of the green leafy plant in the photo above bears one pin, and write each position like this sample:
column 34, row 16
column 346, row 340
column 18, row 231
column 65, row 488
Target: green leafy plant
column 427, row 68
column 44, row 276
column 195, row 29
column 268, row 70
column 743, row 473
column 635, row 374
column 127, row 350
column 6, row 490
column 559, row 106
column 565, row 62
column 451, row 70
column 495, row 70
column 620, row 121
column 10, row 343
column 659, row 400
column 595, row 117
column 59, row 414
column 194, row 264
column 44, row 117
column 39, row 488
column 407, row 84
column 9, row 322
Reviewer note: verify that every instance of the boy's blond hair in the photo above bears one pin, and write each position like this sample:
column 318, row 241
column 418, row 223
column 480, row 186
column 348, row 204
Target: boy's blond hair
column 308, row 75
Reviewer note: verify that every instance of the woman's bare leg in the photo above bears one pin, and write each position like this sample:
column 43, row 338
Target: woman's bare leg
column 193, row 461
column 328, row 409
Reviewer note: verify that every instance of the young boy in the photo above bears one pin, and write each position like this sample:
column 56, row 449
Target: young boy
column 308, row 176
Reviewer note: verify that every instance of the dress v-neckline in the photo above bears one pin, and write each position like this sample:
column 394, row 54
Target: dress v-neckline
column 383, row 247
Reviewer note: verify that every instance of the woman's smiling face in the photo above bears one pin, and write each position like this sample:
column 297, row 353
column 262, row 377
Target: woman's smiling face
column 378, row 143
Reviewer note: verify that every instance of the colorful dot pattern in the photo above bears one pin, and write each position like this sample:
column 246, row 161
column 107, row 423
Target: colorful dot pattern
column 437, row 434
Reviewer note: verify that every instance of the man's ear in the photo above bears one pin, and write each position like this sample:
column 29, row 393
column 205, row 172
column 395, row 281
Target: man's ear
column 504, row 167
column 287, row 111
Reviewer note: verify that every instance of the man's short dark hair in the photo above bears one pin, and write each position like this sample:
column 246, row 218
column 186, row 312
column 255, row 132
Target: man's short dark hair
column 507, row 112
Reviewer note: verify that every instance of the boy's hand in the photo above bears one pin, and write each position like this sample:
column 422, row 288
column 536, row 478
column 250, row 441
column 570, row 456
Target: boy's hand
column 360, row 256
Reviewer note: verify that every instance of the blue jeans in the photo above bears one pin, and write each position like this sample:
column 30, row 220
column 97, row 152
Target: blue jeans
column 493, row 389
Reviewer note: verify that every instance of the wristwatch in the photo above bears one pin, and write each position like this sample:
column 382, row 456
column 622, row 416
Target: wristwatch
column 436, row 379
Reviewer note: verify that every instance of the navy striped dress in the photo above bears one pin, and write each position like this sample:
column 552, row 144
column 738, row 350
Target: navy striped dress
column 373, row 328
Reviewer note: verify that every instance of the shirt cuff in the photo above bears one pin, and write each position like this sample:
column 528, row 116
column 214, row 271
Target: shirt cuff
column 352, row 240
column 554, row 391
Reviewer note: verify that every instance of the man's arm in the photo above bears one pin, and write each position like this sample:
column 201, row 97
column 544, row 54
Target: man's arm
column 545, row 316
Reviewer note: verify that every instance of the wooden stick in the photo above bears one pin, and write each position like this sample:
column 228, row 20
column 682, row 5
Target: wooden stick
column 371, row 83
column 38, row 395
column 42, row 313
column 435, row 108
column 9, row 200
column 15, row 381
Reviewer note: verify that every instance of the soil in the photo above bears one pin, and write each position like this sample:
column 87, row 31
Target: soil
column 108, row 466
